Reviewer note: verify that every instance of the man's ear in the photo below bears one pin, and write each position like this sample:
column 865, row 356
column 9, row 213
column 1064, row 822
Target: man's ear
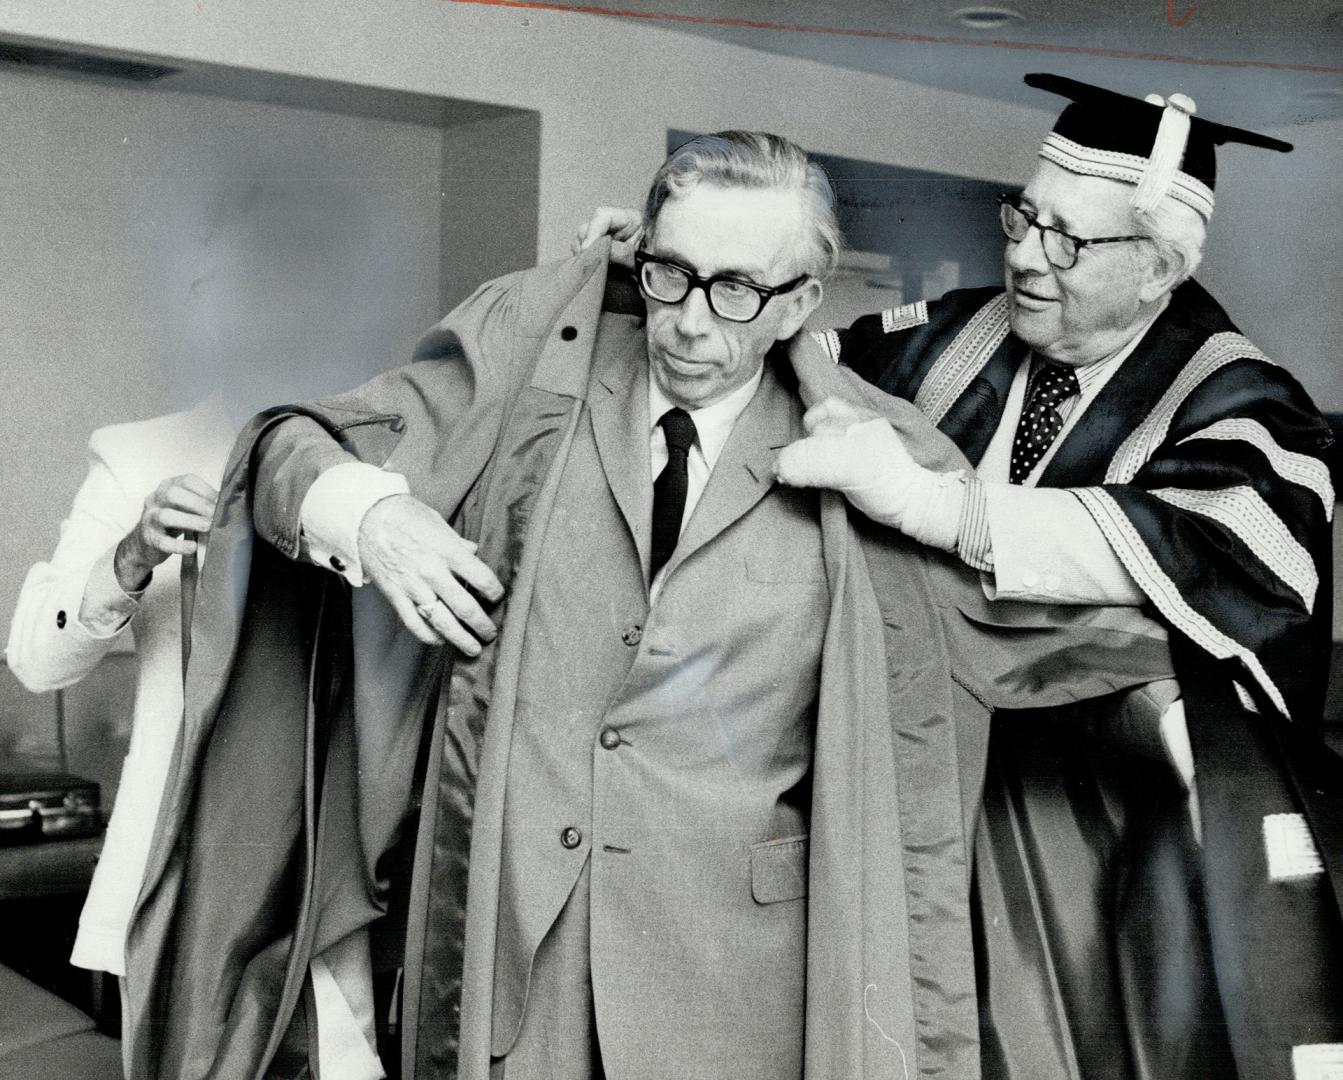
column 1165, row 270
column 802, row 301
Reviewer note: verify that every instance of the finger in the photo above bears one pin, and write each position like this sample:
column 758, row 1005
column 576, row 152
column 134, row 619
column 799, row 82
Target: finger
column 592, row 230
column 622, row 252
column 809, row 462
column 196, row 485
column 832, row 414
column 620, row 221
column 465, row 567
column 182, row 521
column 437, row 615
column 170, row 544
column 412, row 621
column 181, row 498
column 465, row 608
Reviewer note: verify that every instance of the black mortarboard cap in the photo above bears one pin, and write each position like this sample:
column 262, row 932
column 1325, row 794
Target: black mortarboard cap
column 1157, row 144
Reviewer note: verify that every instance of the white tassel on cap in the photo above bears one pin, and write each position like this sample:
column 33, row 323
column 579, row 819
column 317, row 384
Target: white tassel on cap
column 1167, row 151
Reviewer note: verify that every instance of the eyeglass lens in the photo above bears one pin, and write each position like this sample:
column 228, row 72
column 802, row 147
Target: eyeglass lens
column 1060, row 250
column 728, row 299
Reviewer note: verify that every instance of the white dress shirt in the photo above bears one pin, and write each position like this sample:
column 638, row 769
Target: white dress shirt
column 1068, row 560
column 713, row 426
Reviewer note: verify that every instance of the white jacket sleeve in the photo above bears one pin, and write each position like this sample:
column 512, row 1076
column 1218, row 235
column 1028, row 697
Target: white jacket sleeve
column 71, row 609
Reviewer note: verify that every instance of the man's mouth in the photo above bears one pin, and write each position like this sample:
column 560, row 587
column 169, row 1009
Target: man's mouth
column 681, row 365
column 1030, row 299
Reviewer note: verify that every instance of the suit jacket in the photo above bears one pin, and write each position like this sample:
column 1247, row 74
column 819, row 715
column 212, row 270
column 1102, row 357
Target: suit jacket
column 488, row 427
column 49, row 647
column 696, row 821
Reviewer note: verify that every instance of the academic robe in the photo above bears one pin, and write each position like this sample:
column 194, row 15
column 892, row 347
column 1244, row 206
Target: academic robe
column 304, row 745
column 1111, row 943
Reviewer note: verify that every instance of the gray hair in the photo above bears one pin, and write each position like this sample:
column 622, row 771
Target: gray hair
column 1178, row 231
column 757, row 160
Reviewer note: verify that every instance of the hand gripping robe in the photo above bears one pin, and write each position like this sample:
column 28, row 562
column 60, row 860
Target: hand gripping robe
column 308, row 707
column 1203, row 463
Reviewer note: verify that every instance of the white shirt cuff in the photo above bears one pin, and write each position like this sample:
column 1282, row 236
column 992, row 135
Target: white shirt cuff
column 334, row 508
column 1048, row 549
column 106, row 607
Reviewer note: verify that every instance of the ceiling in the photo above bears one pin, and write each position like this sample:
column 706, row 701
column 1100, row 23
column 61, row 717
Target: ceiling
column 1246, row 62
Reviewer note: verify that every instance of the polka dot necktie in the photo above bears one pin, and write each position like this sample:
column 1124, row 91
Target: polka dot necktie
column 1041, row 422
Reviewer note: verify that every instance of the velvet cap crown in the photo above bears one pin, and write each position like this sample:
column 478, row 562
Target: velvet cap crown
column 1157, row 144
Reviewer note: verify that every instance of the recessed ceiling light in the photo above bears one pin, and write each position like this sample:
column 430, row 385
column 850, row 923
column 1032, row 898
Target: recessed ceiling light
column 987, row 18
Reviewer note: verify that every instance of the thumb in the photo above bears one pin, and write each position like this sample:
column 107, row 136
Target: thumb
column 810, row 462
column 833, row 416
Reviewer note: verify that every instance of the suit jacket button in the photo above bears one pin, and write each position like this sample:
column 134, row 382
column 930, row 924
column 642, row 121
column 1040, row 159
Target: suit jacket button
column 632, row 635
column 60, row 620
column 569, row 333
column 570, row 838
column 609, row 738
column 337, row 564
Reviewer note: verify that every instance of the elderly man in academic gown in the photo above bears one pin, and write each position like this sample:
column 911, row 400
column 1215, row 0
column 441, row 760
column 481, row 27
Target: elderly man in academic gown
column 1151, row 901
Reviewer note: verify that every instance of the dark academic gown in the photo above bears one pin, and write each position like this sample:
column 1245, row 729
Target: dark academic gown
column 1110, row 943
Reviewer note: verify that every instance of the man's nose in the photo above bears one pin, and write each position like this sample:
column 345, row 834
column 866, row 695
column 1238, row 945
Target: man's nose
column 1028, row 253
column 694, row 317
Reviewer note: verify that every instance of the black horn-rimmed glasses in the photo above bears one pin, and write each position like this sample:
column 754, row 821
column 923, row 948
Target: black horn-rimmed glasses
column 729, row 297
column 1061, row 248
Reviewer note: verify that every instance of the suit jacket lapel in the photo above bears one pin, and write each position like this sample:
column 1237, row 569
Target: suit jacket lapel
column 744, row 470
column 618, row 404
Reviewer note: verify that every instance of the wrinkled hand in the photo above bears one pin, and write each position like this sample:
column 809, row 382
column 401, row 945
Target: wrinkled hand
column 623, row 225
column 176, row 516
column 856, row 452
column 429, row 574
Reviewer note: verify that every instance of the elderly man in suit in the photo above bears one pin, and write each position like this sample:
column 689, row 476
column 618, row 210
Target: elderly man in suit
column 705, row 753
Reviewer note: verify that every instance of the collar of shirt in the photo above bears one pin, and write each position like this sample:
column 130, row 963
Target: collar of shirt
column 713, row 423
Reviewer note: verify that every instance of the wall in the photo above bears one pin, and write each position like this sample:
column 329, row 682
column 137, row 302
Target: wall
column 607, row 90
column 160, row 246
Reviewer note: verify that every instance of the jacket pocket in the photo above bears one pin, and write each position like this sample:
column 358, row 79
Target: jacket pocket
column 779, row 869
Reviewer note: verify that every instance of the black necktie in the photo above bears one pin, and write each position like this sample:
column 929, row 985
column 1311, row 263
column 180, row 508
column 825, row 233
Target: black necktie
column 1041, row 422
column 670, row 488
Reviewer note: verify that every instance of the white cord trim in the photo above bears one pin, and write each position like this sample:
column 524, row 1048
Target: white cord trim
column 1165, row 594
column 1242, row 510
column 829, row 341
column 963, row 359
column 1289, row 848
column 1126, row 168
column 1135, row 451
column 1300, row 469
column 1317, row 1061
column 905, row 317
